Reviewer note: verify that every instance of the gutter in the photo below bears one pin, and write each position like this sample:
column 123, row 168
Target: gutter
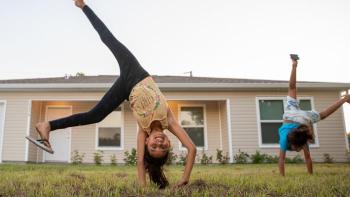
column 59, row 87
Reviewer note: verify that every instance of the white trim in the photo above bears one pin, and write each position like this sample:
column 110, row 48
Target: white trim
column 29, row 118
column 121, row 147
column 283, row 99
column 205, row 147
column 2, row 129
column 229, row 129
column 220, row 129
column 344, row 123
column 69, row 129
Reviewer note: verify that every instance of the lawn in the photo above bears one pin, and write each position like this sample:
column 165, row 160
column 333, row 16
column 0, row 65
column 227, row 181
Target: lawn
column 209, row 180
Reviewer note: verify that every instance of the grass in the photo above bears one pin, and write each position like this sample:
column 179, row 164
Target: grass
column 211, row 180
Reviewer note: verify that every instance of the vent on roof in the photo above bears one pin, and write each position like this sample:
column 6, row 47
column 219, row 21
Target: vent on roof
column 190, row 72
column 66, row 76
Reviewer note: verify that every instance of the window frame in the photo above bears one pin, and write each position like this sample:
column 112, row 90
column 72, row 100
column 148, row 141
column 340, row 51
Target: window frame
column 284, row 101
column 106, row 148
column 205, row 133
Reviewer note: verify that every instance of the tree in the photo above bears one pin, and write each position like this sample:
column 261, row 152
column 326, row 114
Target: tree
column 79, row 74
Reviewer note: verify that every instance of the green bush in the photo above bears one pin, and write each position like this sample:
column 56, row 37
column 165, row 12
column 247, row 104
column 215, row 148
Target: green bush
column 241, row 157
column 205, row 159
column 223, row 159
column 113, row 160
column 258, row 157
column 182, row 159
column 295, row 159
column 98, row 157
column 130, row 158
column 172, row 157
column 271, row 159
column 77, row 158
column 327, row 158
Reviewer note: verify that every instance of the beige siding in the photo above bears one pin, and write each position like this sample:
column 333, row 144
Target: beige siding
column 17, row 114
column 223, row 123
column 243, row 123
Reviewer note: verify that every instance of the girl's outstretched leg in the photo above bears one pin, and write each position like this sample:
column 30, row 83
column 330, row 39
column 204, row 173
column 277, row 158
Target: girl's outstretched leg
column 130, row 69
column 292, row 90
column 110, row 101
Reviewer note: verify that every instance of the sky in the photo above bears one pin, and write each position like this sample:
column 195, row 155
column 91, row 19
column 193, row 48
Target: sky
column 221, row 38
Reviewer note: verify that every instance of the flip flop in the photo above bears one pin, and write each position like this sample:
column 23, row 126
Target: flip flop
column 41, row 144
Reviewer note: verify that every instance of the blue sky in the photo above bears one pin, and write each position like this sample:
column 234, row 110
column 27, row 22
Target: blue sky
column 221, row 38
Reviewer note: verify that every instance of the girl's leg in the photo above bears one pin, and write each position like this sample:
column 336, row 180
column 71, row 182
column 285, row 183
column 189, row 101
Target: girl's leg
column 331, row 109
column 292, row 90
column 130, row 69
column 110, row 101
column 131, row 73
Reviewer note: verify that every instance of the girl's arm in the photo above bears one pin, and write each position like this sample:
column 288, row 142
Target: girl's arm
column 141, row 137
column 181, row 134
column 281, row 162
column 308, row 160
column 331, row 109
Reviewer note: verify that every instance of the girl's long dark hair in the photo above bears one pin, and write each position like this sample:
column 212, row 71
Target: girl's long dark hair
column 154, row 167
column 300, row 136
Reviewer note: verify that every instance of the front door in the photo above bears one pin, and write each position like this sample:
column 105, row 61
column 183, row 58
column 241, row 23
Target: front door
column 59, row 139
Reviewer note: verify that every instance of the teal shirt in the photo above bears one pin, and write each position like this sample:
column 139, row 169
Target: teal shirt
column 283, row 132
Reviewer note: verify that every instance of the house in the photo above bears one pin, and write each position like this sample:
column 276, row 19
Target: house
column 218, row 113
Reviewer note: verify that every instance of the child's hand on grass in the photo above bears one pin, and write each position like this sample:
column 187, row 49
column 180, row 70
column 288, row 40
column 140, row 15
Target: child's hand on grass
column 181, row 183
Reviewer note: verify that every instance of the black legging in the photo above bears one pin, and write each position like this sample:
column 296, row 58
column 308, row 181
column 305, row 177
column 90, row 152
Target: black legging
column 131, row 73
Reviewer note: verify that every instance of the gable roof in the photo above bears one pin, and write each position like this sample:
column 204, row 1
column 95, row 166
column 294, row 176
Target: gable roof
column 183, row 83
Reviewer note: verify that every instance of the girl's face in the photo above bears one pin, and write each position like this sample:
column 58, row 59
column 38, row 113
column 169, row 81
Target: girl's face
column 158, row 144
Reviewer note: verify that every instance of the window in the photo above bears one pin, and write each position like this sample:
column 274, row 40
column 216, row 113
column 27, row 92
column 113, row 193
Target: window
column 271, row 112
column 271, row 118
column 192, row 120
column 109, row 131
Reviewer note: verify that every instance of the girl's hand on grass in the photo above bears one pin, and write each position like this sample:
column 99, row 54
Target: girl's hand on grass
column 181, row 183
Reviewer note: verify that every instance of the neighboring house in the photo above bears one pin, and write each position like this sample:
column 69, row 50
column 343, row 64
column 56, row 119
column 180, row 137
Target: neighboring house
column 218, row 113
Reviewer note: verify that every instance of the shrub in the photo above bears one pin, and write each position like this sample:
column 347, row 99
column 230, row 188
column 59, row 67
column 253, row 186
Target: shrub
column 113, row 160
column 327, row 158
column 130, row 158
column 258, row 157
column 205, row 159
column 182, row 159
column 77, row 158
column 241, row 157
column 98, row 157
column 172, row 157
column 348, row 156
column 271, row 159
column 223, row 159
column 296, row 159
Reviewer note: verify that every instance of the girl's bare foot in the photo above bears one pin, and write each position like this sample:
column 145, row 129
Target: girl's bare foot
column 43, row 128
column 79, row 3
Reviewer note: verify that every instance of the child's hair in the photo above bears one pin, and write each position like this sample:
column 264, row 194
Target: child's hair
column 299, row 136
column 154, row 167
